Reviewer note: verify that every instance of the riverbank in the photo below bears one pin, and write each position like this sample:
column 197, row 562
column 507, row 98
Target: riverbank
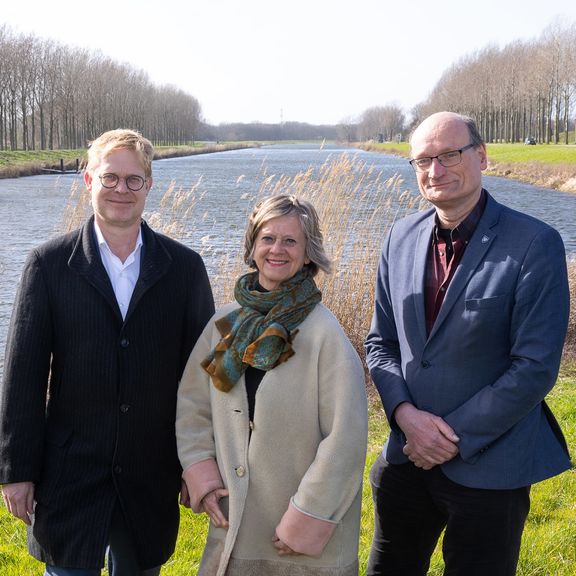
column 17, row 163
column 547, row 165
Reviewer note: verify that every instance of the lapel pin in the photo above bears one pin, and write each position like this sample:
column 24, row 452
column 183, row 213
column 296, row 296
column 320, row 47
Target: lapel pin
column 485, row 239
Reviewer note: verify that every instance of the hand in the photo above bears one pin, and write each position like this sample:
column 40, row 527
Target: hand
column 19, row 499
column 283, row 548
column 211, row 505
column 429, row 439
column 184, row 495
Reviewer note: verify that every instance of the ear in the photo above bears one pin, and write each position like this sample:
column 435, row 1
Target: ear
column 88, row 180
column 483, row 158
column 149, row 182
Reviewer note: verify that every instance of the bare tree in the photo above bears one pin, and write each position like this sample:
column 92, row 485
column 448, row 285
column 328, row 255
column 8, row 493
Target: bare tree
column 526, row 89
column 382, row 123
column 54, row 96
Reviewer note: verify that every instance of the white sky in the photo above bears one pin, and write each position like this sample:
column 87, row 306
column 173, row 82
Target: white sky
column 316, row 61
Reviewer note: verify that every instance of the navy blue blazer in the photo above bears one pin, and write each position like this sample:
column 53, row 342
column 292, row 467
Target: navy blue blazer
column 493, row 353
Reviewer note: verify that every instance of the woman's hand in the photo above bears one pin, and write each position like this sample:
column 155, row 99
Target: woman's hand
column 283, row 548
column 211, row 505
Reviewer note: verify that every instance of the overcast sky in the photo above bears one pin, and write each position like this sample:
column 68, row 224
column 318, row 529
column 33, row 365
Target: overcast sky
column 316, row 61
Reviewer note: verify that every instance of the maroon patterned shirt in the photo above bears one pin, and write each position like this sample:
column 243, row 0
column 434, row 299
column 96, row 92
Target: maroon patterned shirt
column 446, row 251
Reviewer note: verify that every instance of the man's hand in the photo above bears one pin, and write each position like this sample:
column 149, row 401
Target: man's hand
column 19, row 499
column 184, row 495
column 429, row 439
column 211, row 505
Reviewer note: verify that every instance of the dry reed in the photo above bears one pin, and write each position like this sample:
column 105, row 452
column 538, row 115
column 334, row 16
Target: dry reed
column 356, row 205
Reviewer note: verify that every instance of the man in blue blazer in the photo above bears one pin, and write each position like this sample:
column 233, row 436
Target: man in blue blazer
column 471, row 311
column 104, row 321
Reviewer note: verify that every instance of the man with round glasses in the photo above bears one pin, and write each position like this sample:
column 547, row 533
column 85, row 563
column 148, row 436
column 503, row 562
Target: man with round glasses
column 471, row 311
column 103, row 323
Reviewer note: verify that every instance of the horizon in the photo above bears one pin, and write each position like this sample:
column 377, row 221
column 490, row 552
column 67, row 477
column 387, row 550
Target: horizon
column 317, row 63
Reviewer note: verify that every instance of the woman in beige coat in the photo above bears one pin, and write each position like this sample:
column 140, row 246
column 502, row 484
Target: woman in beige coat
column 272, row 416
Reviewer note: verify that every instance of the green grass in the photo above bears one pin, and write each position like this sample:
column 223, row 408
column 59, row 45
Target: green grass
column 16, row 163
column 544, row 153
column 502, row 153
column 547, row 165
column 13, row 157
column 548, row 546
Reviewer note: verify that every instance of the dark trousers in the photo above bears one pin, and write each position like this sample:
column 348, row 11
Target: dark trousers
column 121, row 554
column 412, row 508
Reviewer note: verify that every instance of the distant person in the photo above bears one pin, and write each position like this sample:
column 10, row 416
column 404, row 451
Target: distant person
column 272, row 419
column 470, row 317
column 104, row 320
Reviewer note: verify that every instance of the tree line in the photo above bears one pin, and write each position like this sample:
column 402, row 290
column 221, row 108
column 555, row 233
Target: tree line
column 56, row 97
column 526, row 89
column 53, row 96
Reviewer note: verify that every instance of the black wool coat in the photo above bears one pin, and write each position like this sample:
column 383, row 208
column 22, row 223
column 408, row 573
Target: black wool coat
column 88, row 400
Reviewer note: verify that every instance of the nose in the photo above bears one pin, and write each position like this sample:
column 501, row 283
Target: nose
column 121, row 186
column 277, row 246
column 436, row 169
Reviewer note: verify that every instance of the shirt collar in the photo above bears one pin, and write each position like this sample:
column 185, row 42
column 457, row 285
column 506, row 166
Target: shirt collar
column 102, row 241
column 466, row 228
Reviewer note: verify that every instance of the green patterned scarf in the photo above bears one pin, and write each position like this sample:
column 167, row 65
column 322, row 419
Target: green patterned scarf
column 260, row 333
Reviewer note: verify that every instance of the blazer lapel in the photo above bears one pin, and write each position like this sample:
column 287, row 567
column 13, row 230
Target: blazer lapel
column 419, row 272
column 154, row 264
column 479, row 244
column 85, row 260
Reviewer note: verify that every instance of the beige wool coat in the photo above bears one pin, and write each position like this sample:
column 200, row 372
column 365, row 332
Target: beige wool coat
column 300, row 472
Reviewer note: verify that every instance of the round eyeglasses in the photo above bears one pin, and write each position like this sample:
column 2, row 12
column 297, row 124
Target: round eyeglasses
column 133, row 182
column 447, row 159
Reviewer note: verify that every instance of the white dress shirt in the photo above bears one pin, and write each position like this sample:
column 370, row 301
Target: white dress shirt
column 122, row 275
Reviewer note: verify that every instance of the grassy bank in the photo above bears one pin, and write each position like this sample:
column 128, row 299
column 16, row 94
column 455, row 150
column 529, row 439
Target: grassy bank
column 16, row 163
column 548, row 546
column 344, row 191
column 547, row 165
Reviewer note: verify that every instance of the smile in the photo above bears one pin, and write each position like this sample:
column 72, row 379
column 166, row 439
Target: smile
column 277, row 262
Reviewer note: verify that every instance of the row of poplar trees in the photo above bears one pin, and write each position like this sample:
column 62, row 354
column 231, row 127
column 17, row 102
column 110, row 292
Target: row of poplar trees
column 526, row 89
column 56, row 97
column 53, row 96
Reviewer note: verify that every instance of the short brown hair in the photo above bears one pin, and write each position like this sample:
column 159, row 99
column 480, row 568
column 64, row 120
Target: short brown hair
column 284, row 205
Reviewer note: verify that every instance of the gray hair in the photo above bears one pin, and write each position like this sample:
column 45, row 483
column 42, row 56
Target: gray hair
column 475, row 136
column 285, row 205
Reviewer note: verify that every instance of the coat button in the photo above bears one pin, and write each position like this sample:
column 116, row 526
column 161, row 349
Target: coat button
column 124, row 342
column 425, row 364
column 240, row 471
column 124, row 408
column 117, row 469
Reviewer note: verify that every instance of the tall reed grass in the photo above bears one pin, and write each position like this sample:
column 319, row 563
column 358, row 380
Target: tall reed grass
column 356, row 205
column 355, row 202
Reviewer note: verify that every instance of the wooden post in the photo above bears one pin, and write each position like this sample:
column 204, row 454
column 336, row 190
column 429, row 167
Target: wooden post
column 61, row 164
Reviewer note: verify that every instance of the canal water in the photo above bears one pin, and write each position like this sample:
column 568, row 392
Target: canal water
column 218, row 190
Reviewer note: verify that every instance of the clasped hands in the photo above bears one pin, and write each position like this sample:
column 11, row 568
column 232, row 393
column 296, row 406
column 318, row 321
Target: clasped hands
column 430, row 440
column 211, row 505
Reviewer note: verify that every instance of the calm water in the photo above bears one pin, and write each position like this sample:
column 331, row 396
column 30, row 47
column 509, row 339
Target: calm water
column 224, row 184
